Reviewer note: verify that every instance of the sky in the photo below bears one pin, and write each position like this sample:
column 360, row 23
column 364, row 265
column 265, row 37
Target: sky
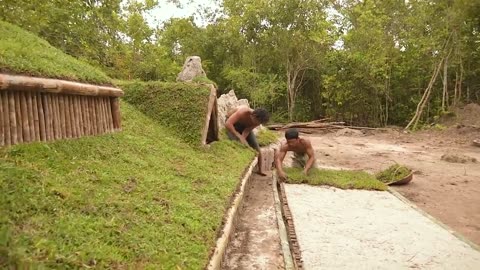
column 166, row 11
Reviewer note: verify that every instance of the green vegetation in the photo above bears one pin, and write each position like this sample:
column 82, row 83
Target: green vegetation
column 266, row 137
column 22, row 52
column 340, row 179
column 136, row 199
column 204, row 80
column 179, row 106
column 393, row 173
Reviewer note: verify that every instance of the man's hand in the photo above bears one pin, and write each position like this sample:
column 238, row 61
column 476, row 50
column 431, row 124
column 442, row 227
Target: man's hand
column 282, row 176
column 243, row 140
column 305, row 172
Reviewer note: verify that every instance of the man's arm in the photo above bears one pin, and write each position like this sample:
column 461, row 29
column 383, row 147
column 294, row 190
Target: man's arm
column 311, row 157
column 280, row 156
column 230, row 125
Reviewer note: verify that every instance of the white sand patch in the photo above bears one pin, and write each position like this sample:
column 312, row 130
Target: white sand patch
column 357, row 229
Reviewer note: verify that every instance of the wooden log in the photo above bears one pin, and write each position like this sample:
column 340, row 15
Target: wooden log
column 93, row 116
column 25, row 123
column 63, row 124
column 36, row 120
column 2, row 122
column 56, row 120
column 98, row 111
column 41, row 117
column 13, row 118
column 31, row 120
column 73, row 116
column 105, row 115
column 6, row 117
column 111, row 128
column 47, row 115
column 79, row 113
column 25, row 83
column 68, row 118
column 18, row 117
column 86, row 119
column 117, row 120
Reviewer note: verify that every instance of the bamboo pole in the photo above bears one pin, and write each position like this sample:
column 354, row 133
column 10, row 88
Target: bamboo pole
column 36, row 120
column 61, row 103
column 2, row 122
column 18, row 117
column 25, row 123
column 116, row 113
column 6, row 118
column 41, row 117
column 11, row 119
column 68, row 119
column 31, row 123
column 25, row 83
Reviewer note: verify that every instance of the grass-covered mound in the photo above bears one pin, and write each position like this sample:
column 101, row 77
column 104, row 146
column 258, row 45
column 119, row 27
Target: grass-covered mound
column 22, row 52
column 132, row 200
column 393, row 173
column 266, row 137
column 340, row 179
column 180, row 106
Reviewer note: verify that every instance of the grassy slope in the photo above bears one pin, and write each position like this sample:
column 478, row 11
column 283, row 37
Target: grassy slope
column 22, row 52
column 136, row 199
column 335, row 178
column 180, row 106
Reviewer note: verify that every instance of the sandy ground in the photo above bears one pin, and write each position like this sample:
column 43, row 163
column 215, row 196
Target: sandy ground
column 449, row 192
column 256, row 242
column 357, row 229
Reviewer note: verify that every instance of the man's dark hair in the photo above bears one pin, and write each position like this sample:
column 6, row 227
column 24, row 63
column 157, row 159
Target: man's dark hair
column 291, row 133
column 262, row 115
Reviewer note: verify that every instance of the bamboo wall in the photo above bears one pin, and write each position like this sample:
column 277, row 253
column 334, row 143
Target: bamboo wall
column 28, row 116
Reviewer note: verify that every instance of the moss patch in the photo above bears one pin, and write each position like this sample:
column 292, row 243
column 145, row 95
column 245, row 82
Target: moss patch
column 139, row 199
column 22, row 52
column 340, row 179
column 180, row 106
column 393, row 173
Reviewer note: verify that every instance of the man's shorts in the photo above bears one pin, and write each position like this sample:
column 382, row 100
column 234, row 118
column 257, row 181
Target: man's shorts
column 299, row 160
column 251, row 139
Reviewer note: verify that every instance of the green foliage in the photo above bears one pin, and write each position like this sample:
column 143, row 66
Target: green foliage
column 179, row 106
column 22, row 52
column 393, row 173
column 340, row 179
column 266, row 137
column 204, row 80
column 138, row 199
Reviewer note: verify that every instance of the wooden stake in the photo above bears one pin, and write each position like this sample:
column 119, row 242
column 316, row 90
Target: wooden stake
column 105, row 117
column 111, row 128
column 41, row 117
column 56, row 120
column 11, row 119
column 6, row 119
column 91, row 104
column 47, row 115
column 68, row 119
column 61, row 103
column 36, row 121
column 2, row 122
column 74, row 117
column 79, row 112
column 18, row 117
column 116, row 113
column 86, row 120
column 31, row 120
column 25, row 122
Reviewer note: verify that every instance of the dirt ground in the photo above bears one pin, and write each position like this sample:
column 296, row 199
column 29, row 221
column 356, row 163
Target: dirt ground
column 256, row 242
column 448, row 191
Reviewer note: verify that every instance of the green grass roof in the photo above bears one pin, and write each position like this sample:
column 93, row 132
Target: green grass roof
column 137, row 199
column 22, row 52
column 180, row 106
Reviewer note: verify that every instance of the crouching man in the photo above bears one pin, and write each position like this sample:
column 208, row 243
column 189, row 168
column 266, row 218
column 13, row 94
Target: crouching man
column 301, row 148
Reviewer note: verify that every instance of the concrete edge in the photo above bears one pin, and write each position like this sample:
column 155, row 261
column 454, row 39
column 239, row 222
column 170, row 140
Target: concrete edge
column 229, row 227
column 287, row 255
column 436, row 221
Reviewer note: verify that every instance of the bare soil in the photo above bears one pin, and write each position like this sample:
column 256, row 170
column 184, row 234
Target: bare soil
column 448, row 191
column 256, row 241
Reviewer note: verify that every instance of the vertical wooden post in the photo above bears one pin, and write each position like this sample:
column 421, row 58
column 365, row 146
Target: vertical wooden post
column 68, row 118
column 2, row 122
column 41, row 117
column 116, row 113
column 86, row 119
column 56, row 123
column 109, row 114
column 31, row 123
column 93, row 116
column 12, row 135
column 61, row 103
column 80, row 116
column 104, row 115
column 18, row 117
column 47, row 113
column 36, row 117
column 25, row 122
column 6, row 118
column 74, row 117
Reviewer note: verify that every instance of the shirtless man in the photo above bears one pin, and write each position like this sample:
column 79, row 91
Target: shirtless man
column 300, row 147
column 240, row 123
